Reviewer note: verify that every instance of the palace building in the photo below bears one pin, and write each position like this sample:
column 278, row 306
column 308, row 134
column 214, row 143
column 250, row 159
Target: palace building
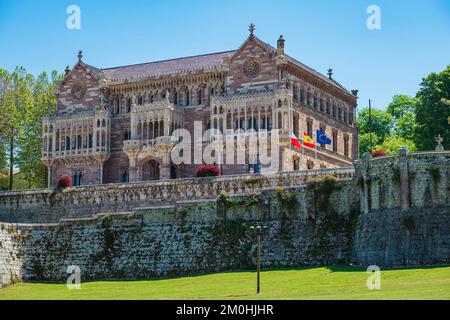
column 115, row 125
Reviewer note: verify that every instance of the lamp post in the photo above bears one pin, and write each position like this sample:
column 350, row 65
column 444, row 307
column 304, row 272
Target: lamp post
column 258, row 256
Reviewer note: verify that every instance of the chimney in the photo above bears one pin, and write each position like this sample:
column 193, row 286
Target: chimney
column 280, row 45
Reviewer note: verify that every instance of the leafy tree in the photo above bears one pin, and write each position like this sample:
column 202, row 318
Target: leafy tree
column 403, row 110
column 30, row 142
column 15, row 98
column 432, row 111
column 392, row 144
column 382, row 124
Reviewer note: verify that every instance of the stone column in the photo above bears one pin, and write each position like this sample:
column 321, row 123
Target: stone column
column 404, row 178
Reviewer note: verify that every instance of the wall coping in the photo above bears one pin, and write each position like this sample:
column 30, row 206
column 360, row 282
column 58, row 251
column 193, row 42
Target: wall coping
column 340, row 172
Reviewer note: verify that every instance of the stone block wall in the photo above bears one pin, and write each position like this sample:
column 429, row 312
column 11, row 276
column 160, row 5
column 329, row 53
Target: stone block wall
column 11, row 254
column 195, row 237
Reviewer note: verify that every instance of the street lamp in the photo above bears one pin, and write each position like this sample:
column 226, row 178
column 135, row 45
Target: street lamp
column 258, row 256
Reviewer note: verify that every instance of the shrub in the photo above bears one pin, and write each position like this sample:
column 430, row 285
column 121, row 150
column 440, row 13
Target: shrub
column 378, row 153
column 64, row 182
column 208, row 170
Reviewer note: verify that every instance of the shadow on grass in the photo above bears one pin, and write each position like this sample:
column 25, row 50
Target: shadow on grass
column 332, row 268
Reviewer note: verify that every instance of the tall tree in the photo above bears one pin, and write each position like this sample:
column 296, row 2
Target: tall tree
column 15, row 98
column 403, row 110
column 433, row 111
column 30, row 142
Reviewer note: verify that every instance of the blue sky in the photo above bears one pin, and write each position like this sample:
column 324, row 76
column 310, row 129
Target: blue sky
column 413, row 40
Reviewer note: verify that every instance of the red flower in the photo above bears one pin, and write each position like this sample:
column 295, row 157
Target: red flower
column 208, row 170
column 378, row 153
column 64, row 182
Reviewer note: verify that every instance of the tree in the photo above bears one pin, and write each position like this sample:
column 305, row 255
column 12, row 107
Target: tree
column 392, row 144
column 432, row 111
column 403, row 110
column 15, row 98
column 30, row 142
column 382, row 124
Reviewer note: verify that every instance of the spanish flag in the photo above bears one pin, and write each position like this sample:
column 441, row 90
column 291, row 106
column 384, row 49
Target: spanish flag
column 308, row 141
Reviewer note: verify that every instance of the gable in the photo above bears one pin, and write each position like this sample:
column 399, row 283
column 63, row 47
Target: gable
column 80, row 90
column 252, row 66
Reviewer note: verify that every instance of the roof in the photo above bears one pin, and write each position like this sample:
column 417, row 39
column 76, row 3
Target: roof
column 167, row 67
column 196, row 63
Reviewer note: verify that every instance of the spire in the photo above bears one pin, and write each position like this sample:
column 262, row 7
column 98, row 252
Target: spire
column 330, row 73
column 251, row 29
column 80, row 55
column 67, row 70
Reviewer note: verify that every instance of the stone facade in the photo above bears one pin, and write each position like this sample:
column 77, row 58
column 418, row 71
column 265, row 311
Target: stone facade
column 115, row 125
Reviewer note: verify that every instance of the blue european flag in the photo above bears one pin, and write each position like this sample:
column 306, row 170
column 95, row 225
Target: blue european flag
column 322, row 138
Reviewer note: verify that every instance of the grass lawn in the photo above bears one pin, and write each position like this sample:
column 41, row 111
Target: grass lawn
column 334, row 282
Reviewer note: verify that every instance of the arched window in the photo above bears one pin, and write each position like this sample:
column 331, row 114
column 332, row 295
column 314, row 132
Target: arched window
column 175, row 98
column 90, row 141
column 128, row 105
column 67, row 143
column 104, row 123
column 200, row 96
column 141, row 101
column 103, row 139
column 125, row 176
column 98, row 123
column 79, row 142
column 188, row 98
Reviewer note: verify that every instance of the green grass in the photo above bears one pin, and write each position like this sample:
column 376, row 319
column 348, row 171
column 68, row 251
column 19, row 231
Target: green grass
column 335, row 282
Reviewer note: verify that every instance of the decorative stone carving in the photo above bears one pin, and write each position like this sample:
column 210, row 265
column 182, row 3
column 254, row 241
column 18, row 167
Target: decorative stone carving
column 78, row 90
column 252, row 68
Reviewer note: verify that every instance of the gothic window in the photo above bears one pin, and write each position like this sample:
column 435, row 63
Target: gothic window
column 67, row 143
column 104, row 123
column 302, row 94
column 151, row 98
column 98, row 139
column 77, row 178
column 350, row 118
column 309, row 125
column 327, row 106
column 295, row 89
column 175, row 98
column 79, row 142
column 200, row 96
column 335, row 141
column 125, row 176
column 103, row 138
column 188, row 98
column 141, row 100
column 90, row 141
column 310, row 164
column 346, row 149
column 345, row 116
column 128, row 105
column 334, row 111
column 98, row 123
